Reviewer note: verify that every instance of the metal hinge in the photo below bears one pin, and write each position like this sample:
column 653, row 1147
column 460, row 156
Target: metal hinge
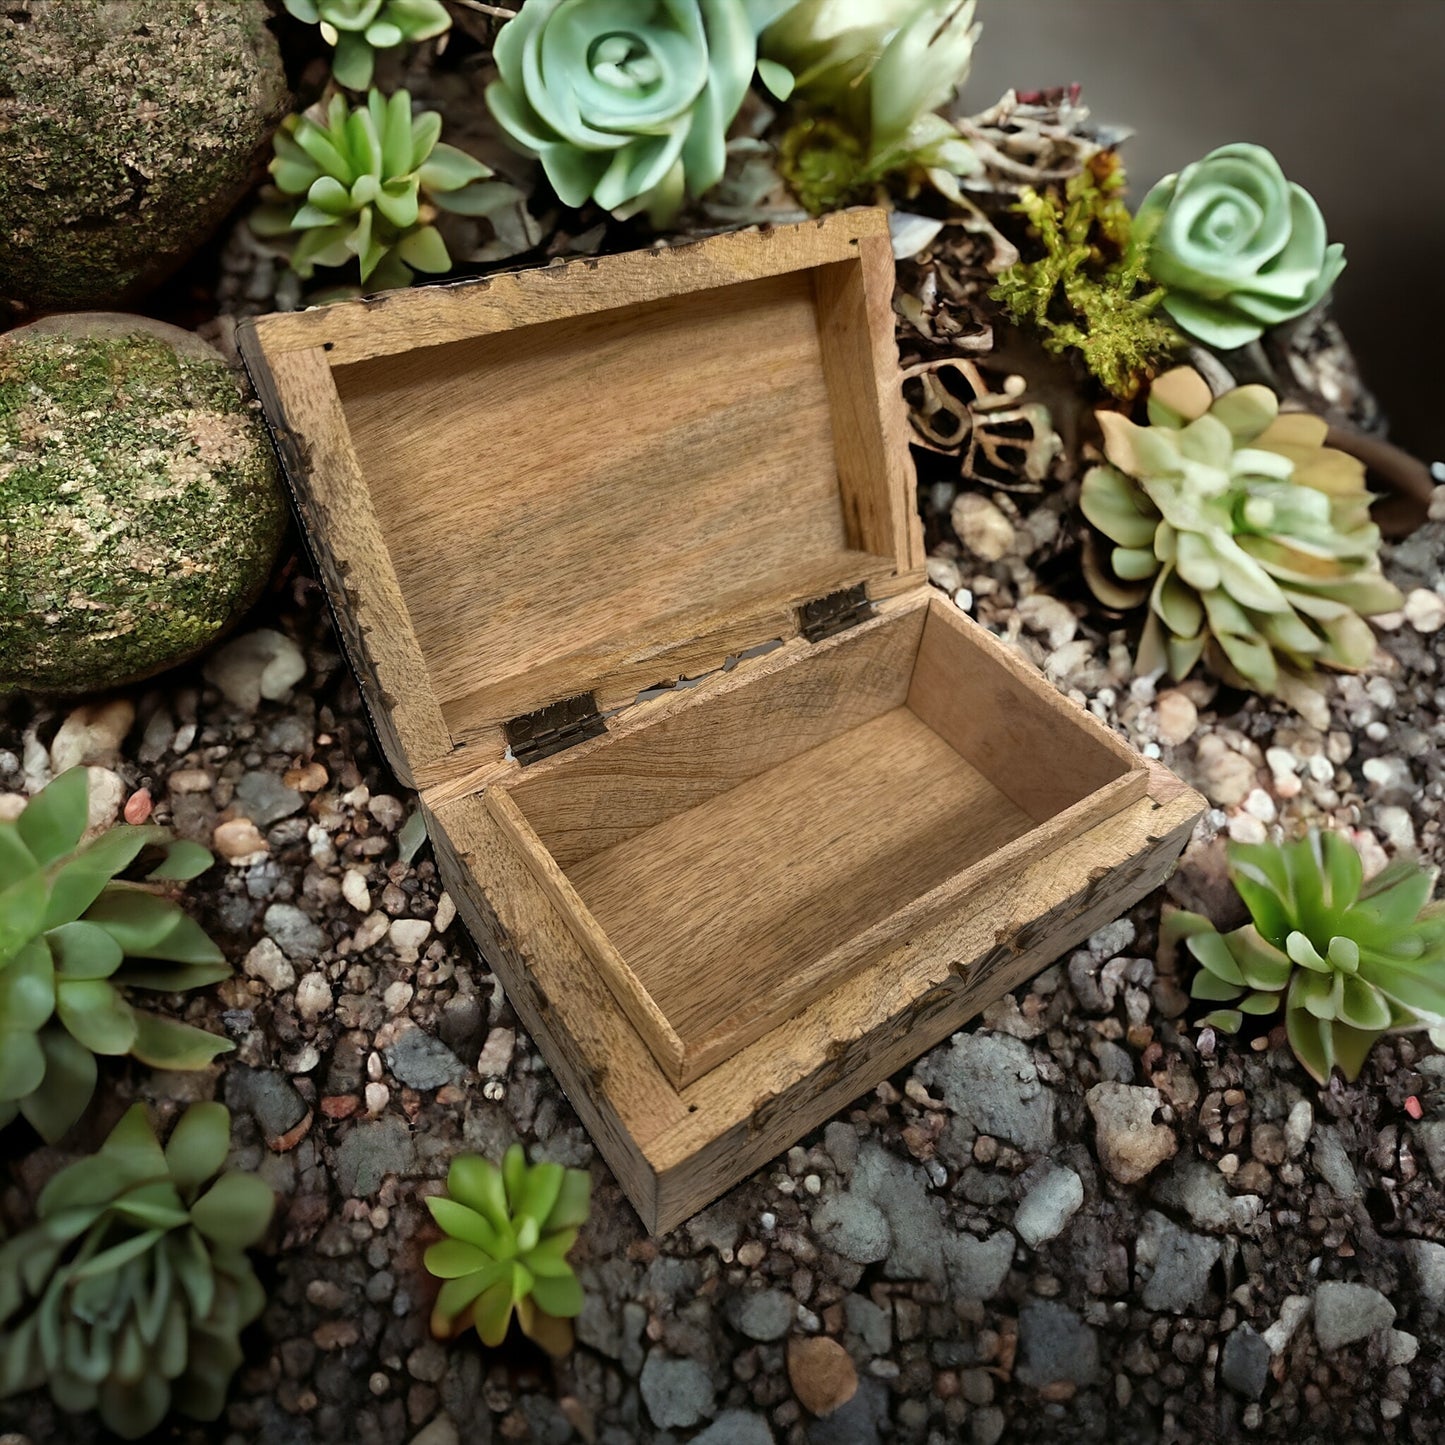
column 837, row 612
column 552, row 729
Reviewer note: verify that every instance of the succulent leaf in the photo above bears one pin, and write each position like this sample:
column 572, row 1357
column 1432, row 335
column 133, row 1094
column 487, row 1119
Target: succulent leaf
column 1344, row 968
column 74, row 940
column 508, row 1230
column 357, row 29
column 114, row 1298
column 1258, row 566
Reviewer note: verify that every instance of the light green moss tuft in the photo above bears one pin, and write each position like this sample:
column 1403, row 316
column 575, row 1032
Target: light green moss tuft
column 139, row 506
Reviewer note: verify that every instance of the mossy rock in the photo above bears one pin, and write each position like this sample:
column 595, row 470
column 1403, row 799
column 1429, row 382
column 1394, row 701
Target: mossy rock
column 128, row 129
column 140, row 509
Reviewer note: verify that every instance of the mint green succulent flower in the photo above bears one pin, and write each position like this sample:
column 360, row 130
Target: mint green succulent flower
column 1237, row 246
column 868, row 77
column 359, row 28
column 366, row 184
column 627, row 102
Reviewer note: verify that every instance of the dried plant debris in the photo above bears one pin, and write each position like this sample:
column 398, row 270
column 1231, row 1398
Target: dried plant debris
column 1002, row 438
column 1037, row 139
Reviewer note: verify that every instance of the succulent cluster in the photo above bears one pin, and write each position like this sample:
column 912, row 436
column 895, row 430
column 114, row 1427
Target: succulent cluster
column 365, row 183
column 508, row 1234
column 1347, row 959
column 128, row 1294
column 357, row 29
column 1088, row 291
column 867, row 80
column 75, row 941
column 628, row 105
column 1237, row 247
column 1249, row 538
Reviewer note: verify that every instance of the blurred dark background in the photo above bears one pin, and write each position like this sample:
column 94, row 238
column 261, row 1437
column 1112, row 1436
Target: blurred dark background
column 1347, row 94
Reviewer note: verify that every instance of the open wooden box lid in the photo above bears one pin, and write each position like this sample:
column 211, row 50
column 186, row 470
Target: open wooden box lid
column 554, row 488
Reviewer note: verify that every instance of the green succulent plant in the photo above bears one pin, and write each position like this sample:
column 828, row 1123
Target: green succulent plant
column 128, row 1294
column 627, row 102
column 508, row 1233
column 867, row 78
column 75, row 941
column 1249, row 539
column 365, row 184
column 357, row 29
column 1237, row 247
column 1347, row 959
column 1089, row 291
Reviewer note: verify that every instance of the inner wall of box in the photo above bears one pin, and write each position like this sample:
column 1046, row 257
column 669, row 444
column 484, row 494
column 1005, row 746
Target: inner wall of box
column 736, row 841
column 613, row 481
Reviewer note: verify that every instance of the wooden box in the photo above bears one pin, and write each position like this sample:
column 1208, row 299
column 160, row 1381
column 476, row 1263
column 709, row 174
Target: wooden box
column 626, row 558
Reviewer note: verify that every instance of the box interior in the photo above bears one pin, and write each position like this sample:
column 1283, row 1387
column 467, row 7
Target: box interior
column 690, row 471
column 757, row 841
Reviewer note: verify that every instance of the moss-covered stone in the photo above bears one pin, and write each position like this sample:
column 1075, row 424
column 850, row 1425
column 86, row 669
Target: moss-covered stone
column 140, row 509
column 128, row 129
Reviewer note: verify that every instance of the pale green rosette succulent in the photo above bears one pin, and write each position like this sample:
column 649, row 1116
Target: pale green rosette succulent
column 1348, row 959
column 359, row 28
column 1249, row 539
column 627, row 102
column 868, row 77
column 1238, row 247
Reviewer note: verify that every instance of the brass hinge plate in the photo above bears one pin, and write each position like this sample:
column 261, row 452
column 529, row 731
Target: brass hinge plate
column 836, row 612
column 554, row 728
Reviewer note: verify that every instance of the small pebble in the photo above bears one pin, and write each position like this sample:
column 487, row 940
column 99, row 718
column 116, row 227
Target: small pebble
column 1425, row 610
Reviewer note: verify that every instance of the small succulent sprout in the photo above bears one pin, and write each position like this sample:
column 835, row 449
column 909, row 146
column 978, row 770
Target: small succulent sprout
column 1238, row 247
column 1348, row 959
column 130, row 1291
column 357, row 29
column 627, row 104
column 867, row 78
column 76, row 942
column 508, row 1232
column 365, row 183
column 1249, row 539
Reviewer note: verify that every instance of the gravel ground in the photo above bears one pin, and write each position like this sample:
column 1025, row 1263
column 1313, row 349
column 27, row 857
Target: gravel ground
column 1081, row 1220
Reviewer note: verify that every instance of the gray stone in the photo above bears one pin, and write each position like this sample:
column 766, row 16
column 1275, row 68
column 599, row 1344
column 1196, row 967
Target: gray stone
column 977, row 1268
column 265, row 799
column 1055, row 1345
column 736, row 1427
column 267, row 1096
column 765, row 1314
column 1346, row 1312
column 841, row 1141
column 1244, row 1365
column 854, row 1227
column 422, row 1062
column 1052, row 1200
column 992, row 1085
column 1199, row 1190
column 863, row 1420
column 1172, row 1265
column 1428, row 1260
column 986, row 1426
column 676, row 1392
column 293, row 929
column 370, row 1152
column 915, row 1220
column 1332, row 1162
column 871, row 1326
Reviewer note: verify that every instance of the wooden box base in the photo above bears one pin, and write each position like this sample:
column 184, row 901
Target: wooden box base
column 675, row 1150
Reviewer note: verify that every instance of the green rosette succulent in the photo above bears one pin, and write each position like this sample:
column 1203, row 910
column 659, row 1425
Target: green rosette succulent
column 129, row 1293
column 508, row 1234
column 357, row 29
column 75, row 942
column 1238, row 247
column 867, row 78
column 627, row 102
column 1249, row 539
column 365, row 184
column 1347, row 959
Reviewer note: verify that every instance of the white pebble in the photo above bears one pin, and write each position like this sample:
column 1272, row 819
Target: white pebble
column 963, row 600
column 1398, row 828
column 92, row 733
column 378, row 1096
column 407, row 937
column 264, row 663
column 1246, row 829
column 1260, row 805
column 1281, row 761
column 943, row 572
column 313, row 996
column 1178, row 717
column 266, row 962
column 397, row 996
column 496, row 1055
column 446, row 912
column 355, row 891
column 982, row 527
column 1425, row 610
column 107, row 793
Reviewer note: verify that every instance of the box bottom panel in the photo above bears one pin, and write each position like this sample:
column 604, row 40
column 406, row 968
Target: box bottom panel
column 713, row 906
